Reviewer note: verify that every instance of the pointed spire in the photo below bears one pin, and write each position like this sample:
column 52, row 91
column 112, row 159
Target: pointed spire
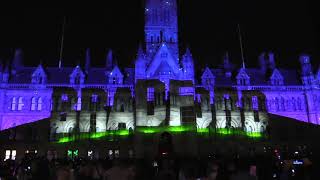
column 188, row 52
column 88, row 60
column 6, row 69
column 241, row 47
column 271, row 61
column 1, row 65
column 226, row 60
column 318, row 74
column 17, row 59
column 140, row 53
column 109, row 60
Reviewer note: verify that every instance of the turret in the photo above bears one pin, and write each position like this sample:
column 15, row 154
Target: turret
column 262, row 62
column 188, row 66
column 318, row 75
column 306, row 70
column 227, row 65
column 109, row 61
column 271, row 61
column 1, row 69
column 140, row 64
column 17, row 60
column 88, row 60
column 6, row 74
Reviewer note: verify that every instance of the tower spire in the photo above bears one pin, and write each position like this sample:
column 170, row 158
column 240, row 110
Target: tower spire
column 62, row 41
column 109, row 60
column 241, row 48
column 88, row 60
column 17, row 59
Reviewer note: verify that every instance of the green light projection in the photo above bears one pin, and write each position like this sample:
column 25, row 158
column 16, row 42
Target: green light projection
column 109, row 135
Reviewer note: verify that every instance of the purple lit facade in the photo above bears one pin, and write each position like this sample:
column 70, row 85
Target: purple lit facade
column 157, row 89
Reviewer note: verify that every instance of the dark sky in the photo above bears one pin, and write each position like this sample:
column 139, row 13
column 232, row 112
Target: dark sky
column 209, row 27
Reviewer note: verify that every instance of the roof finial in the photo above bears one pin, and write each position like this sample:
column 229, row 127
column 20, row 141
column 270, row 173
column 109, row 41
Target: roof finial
column 62, row 41
column 241, row 48
column 17, row 59
column 88, row 59
column 109, row 60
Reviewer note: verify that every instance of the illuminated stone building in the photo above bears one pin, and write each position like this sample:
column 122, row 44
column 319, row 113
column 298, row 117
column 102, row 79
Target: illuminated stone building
column 163, row 92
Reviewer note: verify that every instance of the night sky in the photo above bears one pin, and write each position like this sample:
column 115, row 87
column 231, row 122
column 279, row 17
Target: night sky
column 209, row 28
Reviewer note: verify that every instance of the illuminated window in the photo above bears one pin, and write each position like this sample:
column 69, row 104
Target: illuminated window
column 164, row 55
column 150, row 94
column 64, row 97
column 39, row 107
column 116, row 153
column 20, row 103
column 14, row 104
column 110, row 154
column 33, row 104
column 72, row 153
column 78, row 106
column 90, row 154
column 94, row 98
column 186, row 91
column 255, row 103
column 10, row 154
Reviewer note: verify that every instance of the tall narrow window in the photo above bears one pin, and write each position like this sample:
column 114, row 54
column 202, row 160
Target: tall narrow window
column 10, row 154
column 14, row 104
column 150, row 94
column 78, row 106
column 33, row 104
column 255, row 103
column 39, row 107
column 20, row 103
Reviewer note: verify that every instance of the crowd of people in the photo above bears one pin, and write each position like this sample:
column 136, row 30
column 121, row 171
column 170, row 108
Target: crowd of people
column 272, row 164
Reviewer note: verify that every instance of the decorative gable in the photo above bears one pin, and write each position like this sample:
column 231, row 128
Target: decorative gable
column 115, row 76
column 207, row 77
column 318, row 75
column 276, row 78
column 39, row 76
column 243, row 78
column 77, row 76
column 163, row 57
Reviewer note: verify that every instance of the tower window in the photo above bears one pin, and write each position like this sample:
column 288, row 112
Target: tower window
column 255, row 103
column 64, row 97
column 20, row 103
column 150, row 94
column 13, row 103
column 94, row 98
column 33, row 104
column 39, row 108
column 164, row 55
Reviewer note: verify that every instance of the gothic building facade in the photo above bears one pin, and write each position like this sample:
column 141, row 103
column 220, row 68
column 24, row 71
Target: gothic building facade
column 163, row 89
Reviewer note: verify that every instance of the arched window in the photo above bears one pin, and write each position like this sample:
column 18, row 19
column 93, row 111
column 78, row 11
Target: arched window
column 39, row 107
column 20, row 103
column 277, row 104
column 122, row 108
column 77, row 79
column 14, row 104
column 78, row 107
column 33, row 104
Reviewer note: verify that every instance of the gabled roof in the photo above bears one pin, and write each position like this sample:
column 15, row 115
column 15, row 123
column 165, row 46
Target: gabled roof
column 77, row 71
column 153, row 67
column 39, row 71
column 243, row 74
column 115, row 72
column 276, row 74
column 318, row 74
column 207, row 74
